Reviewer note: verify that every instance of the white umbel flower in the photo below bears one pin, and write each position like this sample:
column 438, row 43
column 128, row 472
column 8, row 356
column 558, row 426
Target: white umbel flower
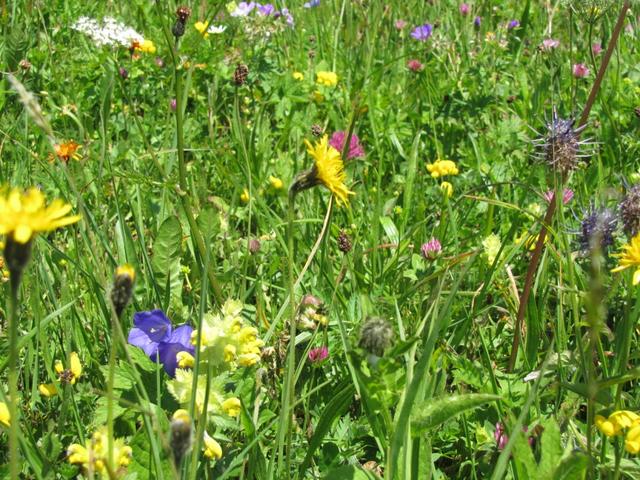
column 108, row 32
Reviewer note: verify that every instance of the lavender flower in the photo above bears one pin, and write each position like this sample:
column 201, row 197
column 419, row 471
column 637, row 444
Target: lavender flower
column 464, row 9
column 355, row 148
column 580, row 70
column 422, row 32
column 477, row 21
column 513, row 24
column 154, row 334
column 243, row 9
column 596, row 48
column 312, row 3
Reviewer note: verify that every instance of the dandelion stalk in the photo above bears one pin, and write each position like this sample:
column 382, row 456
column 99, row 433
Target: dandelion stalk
column 13, row 376
column 537, row 253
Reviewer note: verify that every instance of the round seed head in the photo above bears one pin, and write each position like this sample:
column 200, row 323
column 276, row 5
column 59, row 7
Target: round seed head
column 376, row 336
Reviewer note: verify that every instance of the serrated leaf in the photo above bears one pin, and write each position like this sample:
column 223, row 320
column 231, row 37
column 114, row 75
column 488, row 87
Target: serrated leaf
column 166, row 260
column 437, row 411
column 100, row 414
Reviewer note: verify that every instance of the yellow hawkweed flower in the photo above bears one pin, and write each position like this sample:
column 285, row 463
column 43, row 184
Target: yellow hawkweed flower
column 65, row 151
column 630, row 257
column 5, row 416
column 298, row 76
column 275, row 182
column 24, row 214
column 328, row 169
column 440, row 168
column 447, row 189
column 244, row 196
column 328, row 79
column 147, row 46
column 202, row 28
column 632, row 440
column 231, row 406
column 211, row 448
column 94, row 455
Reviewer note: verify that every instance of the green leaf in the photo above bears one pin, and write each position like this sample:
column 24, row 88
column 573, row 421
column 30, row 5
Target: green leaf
column 574, row 467
column 100, row 414
column 166, row 260
column 390, row 229
column 551, row 449
column 523, row 458
column 350, row 472
column 437, row 411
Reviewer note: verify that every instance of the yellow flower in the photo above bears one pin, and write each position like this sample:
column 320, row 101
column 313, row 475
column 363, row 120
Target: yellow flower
column 24, row 214
column 605, row 426
column 202, row 28
column 632, row 440
column 617, row 422
column 48, row 389
column 94, row 455
column 447, row 189
column 318, row 97
column 212, row 448
column 275, row 182
column 69, row 375
column 181, row 387
column 126, row 270
column 231, row 406
column 298, row 76
column 147, row 46
column 65, row 151
column 440, row 168
column 185, row 360
column 329, row 169
column 630, row 257
column 5, row 417
column 491, row 246
column 244, row 196
column 328, row 79
column 182, row 415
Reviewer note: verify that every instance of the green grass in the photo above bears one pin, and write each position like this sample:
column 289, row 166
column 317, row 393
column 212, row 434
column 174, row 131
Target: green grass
column 161, row 189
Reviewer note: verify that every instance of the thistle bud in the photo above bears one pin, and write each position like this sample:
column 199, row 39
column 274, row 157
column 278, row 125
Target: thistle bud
column 560, row 146
column 183, row 13
column 597, row 229
column 240, row 75
column 181, row 435
column 630, row 211
column 122, row 288
column 344, row 242
column 254, row 246
column 376, row 336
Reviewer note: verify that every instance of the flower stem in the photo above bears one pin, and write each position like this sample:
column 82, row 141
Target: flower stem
column 13, row 377
column 537, row 254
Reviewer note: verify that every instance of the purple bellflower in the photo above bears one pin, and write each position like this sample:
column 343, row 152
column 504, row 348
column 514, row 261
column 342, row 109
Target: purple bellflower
column 422, row 32
column 154, row 334
column 312, row 3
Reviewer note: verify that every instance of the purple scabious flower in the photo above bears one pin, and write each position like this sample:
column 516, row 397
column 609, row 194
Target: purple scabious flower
column 312, row 3
column 513, row 24
column 266, row 9
column 477, row 21
column 154, row 334
column 422, row 32
column 355, row 148
column 464, row 9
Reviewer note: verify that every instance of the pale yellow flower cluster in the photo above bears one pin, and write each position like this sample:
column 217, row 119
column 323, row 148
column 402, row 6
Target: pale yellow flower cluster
column 94, row 456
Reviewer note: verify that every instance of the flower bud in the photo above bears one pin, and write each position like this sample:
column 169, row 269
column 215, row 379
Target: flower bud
column 376, row 336
column 122, row 288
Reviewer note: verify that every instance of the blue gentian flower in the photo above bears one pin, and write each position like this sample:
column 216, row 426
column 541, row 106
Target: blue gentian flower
column 422, row 32
column 154, row 334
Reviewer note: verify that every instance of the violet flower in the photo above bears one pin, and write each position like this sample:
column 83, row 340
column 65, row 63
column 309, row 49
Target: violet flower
column 312, row 3
column 464, row 9
column 355, row 148
column 317, row 355
column 243, row 9
column 477, row 21
column 154, row 334
column 422, row 32
column 513, row 24
column 266, row 9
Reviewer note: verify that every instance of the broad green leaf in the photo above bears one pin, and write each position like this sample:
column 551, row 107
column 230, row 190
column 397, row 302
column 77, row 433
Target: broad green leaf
column 523, row 458
column 574, row 467
column 166, row 260
column 390, row 229
column 551, row 449
column 436, row 411
column 350, row 472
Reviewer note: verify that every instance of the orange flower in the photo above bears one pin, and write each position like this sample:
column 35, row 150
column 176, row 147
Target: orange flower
column 67, row 150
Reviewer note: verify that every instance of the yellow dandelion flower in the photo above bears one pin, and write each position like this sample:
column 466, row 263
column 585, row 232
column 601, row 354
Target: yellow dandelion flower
column 24, row 214
column 5, row 416
column 202, row 28
column 329, row 169
column 299, row 76
column 630, row 257
column 211, row 448
column 328, row 79
column 440, row 168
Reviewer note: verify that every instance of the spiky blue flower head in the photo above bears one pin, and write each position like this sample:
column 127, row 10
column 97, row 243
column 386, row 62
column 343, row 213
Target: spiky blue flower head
column 630, row 211
column 560, row 145
column 598, row 229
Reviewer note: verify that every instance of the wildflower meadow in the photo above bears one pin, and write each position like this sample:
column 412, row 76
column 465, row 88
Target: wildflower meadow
column 324, row 239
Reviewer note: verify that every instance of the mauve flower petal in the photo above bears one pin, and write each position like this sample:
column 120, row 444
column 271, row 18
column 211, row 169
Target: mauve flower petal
column 167, row 353
column 155, row 324
column 139, row 338
column 182, row 335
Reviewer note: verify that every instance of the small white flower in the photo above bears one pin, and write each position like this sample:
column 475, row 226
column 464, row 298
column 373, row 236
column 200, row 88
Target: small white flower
column 215, row 29
column 108, row 32
column 532, row 376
